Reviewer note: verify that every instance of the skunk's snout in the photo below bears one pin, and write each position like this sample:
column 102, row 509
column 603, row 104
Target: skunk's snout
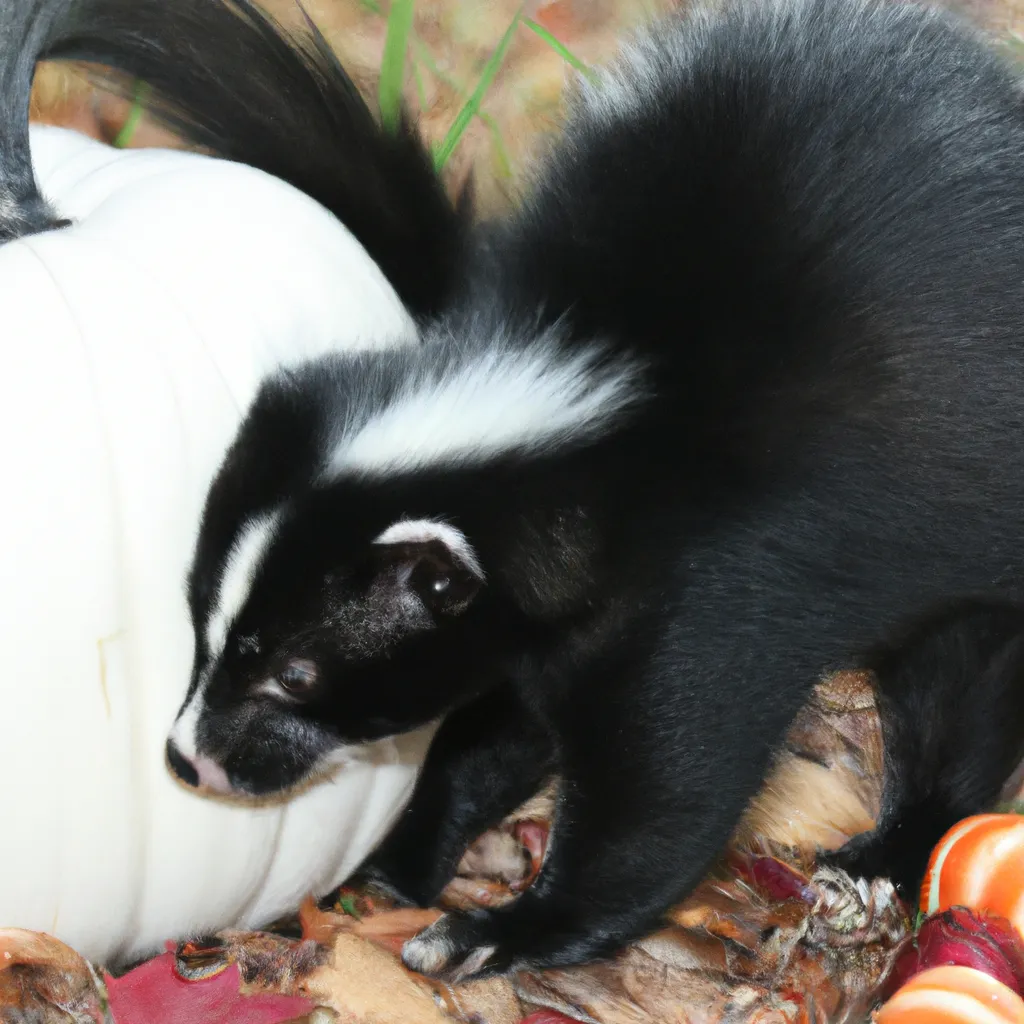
column 181, row 766
column 198, row 772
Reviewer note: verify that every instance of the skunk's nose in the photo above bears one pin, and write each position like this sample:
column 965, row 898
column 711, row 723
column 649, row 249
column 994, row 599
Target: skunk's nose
column 198, row 772
column 182, row 767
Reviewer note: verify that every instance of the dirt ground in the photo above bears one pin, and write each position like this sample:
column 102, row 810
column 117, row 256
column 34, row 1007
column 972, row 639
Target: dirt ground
column 452, row 40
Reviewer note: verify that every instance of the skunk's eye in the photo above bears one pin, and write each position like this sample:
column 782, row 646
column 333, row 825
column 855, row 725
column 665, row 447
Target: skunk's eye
column 298, row 676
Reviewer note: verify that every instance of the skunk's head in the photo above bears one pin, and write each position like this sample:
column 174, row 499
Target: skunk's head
column 322, row 620
column 310, row 643
column 337, row 592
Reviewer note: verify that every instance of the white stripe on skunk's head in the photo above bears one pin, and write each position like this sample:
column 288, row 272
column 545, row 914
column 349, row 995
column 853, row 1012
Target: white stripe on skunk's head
column 237, row 578
column 325, row 614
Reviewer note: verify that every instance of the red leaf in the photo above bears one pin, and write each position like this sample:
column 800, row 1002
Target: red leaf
column 155, row 994
column 776, row 880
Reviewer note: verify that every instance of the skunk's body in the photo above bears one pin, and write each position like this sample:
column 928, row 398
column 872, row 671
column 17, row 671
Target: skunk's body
column 736, row 393
column 733, row 395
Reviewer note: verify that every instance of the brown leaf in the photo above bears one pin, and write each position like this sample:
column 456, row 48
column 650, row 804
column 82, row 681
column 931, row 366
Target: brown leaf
column 44, row 981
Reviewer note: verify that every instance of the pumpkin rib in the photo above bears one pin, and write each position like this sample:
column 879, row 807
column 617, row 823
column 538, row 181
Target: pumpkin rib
column 979, row 864
column 931, row 896
column 1014, row 910
column 935, row 1006
column 1002, row 885
column 953, row 995
column 971, row 865
column 968, row 980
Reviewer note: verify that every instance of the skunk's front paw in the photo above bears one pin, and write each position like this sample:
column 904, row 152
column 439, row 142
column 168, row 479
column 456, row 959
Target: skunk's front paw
column 457, row 947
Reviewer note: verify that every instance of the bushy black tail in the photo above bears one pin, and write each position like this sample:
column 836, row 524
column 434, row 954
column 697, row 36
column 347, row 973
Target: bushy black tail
column 25, row 29
column 228, row 77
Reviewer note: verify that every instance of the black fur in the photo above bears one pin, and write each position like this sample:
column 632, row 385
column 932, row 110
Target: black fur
column 228, row 78
column 951, row 695
column 798, row 236
column 25, row 30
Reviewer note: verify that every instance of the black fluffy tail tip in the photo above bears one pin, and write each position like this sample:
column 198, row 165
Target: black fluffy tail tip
column 22, row 218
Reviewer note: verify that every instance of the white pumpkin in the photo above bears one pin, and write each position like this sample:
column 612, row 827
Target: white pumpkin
column 132, row 343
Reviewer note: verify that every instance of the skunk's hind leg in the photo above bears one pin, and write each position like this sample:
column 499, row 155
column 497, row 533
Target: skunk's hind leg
column 951, row 698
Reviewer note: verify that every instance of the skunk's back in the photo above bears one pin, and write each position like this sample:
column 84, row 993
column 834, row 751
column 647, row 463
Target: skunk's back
column 782, row 171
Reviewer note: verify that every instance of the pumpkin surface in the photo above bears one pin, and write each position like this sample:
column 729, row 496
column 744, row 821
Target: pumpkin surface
column 979, row 863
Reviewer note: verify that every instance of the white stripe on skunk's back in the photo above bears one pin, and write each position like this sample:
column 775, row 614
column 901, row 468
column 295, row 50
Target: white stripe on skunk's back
column 499, row 399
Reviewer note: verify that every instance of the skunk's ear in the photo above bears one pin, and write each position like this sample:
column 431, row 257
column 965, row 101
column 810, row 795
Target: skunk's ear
column 432, row 560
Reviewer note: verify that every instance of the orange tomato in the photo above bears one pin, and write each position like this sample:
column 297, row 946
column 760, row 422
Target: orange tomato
column 952, row 995
column 979, row 863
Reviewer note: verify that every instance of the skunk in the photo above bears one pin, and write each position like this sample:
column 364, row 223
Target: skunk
column 226, row 77
column 732, row 398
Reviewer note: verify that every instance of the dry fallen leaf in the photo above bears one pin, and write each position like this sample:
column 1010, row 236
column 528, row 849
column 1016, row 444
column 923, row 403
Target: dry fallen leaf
column 42, row 981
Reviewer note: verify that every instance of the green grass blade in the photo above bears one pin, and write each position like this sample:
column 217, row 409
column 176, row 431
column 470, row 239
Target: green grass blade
column 124, row 136
column 423, row 55
column 559, row 47
column 472, row 105
column 392, row 68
